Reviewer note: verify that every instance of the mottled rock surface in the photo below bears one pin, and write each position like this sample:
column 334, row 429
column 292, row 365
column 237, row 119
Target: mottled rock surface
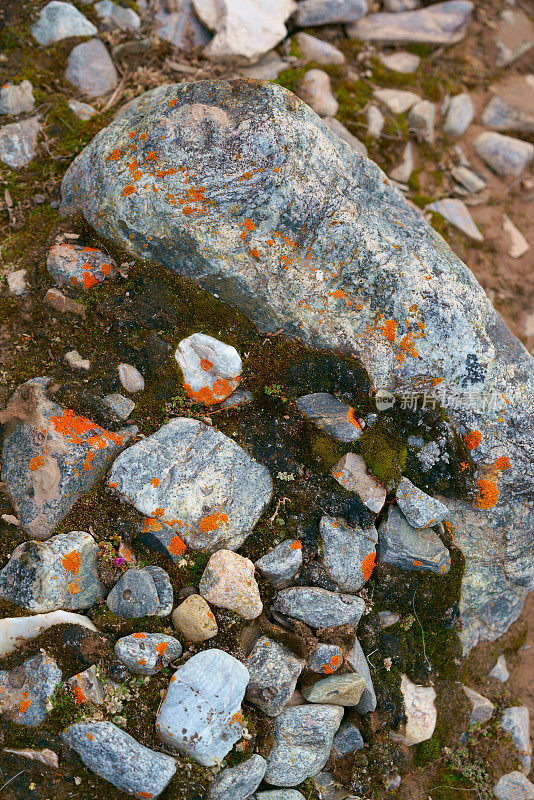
column 228, row 581
column 337, row 690
column 325, row 658
column 282, row 563
column 349, row 552
column 26, row 690
column 59, row 20
column 352, row 473
column 211, row 369
column 516, row 722
column 18, row 141
column 347, row 740
column 76, row 265
column 331, row 415
column 139, row 593
column 274, row 671
column 17, row 98
column 411, row 548
column 504, row 154
column 329, row 12
column 194, row 619
column 357, row 660
column 238, row 783
column 514, row 786
column 441, row 23
column 319, row 607
column 420, row 712
column 86, row 687
column 419, row 508
column 147, row 653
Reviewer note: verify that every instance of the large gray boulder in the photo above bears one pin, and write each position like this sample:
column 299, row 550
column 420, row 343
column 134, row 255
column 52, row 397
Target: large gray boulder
column 312, row 208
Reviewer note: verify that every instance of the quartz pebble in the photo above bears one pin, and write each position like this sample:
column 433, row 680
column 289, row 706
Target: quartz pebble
column 75, row 360
column 351, row 472
column 456, row 212
column 401, row 61
column 16, row 282
column 419, row 508
column 211, row 369
column 282, row 563
column 375, row 122
column 131, row 379
column 58, row 21
column 319, row 608
column 518, row 245
column 331, row 415
column 402, row 172
column 274, row 671
column 420, row 713
column 397, row 100
column 16, row 98
column 228, row 581
column 411, row 548
column 316, row 90
column 194, row 619
column 421, row 120
column 349, row 552
column 147, row 653
column 516, row 722
column 469, row 179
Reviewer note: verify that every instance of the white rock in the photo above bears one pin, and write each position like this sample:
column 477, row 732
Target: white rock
column 18, row 141
column 82, row 110
column 440, row 23
column 401, row 5
column 316, row 90
column 16, row 98
column 59, row 20
column 421, row 120
column 351, row 472
column 456, row 212
column 211, row 369
column 402, row 172
column 14, row 631
column 339, row 129
column 504, row 154
column 131, row 378
column 401, row 62
column 459, row 115
column 482, row 707
column 375, row 121
column 74, row 360
column 500, row 670
column 469, row 179
column 421, row 714
column 313, row 49
column 518, row 245
column 397, row 100
column 16, row 282
column 117, row 16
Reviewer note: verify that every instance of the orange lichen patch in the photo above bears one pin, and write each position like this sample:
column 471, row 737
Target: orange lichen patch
column 151, row 524
column 249, row 225
column 212, row 522
column 338, row 294
column 335, row 662
column 222, row 388
column 368, row 565
column 155, row 482
column 172, row 102
column 473, row 439
column 114, row 155
column 130, row 189
column 144, row 137
column 71, row 562
column 172, row 679
column 24, row 704
column 463, row 465
column 255, row 253
column 36, row 462
column 89, row 736
column 352, row 418
column 488, row 493
column 389, row 329
column 73, row 427
column 78, row 694
column 177, row 546
column 146, row 795
column 139, row 635
column 502, row 463
column 239, row 717
column 444, row 568
column 296, row 545
column 159, row 511
column 142, row 662
column 205, row 364
column 418, row 563
column 160, row 649
column 204, row 395
column 74, row 587
column 113, row 485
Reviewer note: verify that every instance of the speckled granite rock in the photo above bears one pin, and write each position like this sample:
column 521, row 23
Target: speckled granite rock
column 336, row 690
column 281, row 563
column 325, row 658
column 347, row 740
column 25, row 690
column 16, row 98
column 238, row 783
column 79, row 266
column 319, row 607
column 349, row 552
column 419, row 508
column 18, row 141
column 411, row 548
column 147, row 653
column 331, row 415
column 274, row 671
column 228, row 581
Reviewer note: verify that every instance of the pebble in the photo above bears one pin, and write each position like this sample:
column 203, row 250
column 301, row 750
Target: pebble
column 421, row 121
column 194, row 619
column 302, row 742
column 456, row 212
column 267, row 68
column 147, row 653
column 87, row 687
column 515, row 721
column 61, row 573
column 410, row 548
column 44, row 756
column 331, row 415
column 79, row 266
column 329, row 12
column 420, row 713
column 469, row 179
column 118, row 758
column 419, row 508
column 514, row 786
column 25, row 690
column 357, row 660
column 401, row 5
column 90, row 69
column 18, row 142
column 237, row 398
column 281, row 564
column 397, row 100
column 325, row 658
column 401, row 61
column 347, row 740
column 182, row 27
column 59, row 21
column 349, row 552
column 121, row 406
column 313, row 49
column 211, row 369
column 441, row 23
column 164, row 589
column 351, row 472
column 82, row 110
column 228, row 582
column 59, row 302
column 201, row 713
column 238, row 783
column 388, row 618
column 341, row 131
column 16, row 282
column 316, row 90
column 135, row 595
column 375, row 122
column 15, row 631
column 482, row 708
column 16, row 98
column 274, row 671
column 514, row 36
column 518, row 245
column 131, row 379
column 504, row 154
column 500, row 670
column 337, row 690
column 280, row 794
column 512, row 107
column 116, row 16
column 403, row 171
column 459, row 115
column 75, row 360
column 319, row 608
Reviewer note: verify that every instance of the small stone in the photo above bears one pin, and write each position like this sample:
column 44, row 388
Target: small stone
column 504, row 154
column 397, row 100
column 401, row 61
column 121, row 406
column 59, row 21
column 116, row 16
column 441, row 23
column 456, row 212
column 518, row 245
column 375, row 122
column 90, row 69
column 388, row 618
column 345, row 135
column 279, row 794
column 514, row 37
column 459, row 115
column 182, row 27
column 237, row 398
column 195, row 620
column 402, row 172
column 516, row 722
column 469, row 179
column 325, row 658
column 500, row 670
column 86, row 687
column 274, row 671
column 147, row 653
column 329, row 12
column 267, row 68
column 349, row 552
column 282, row 563
column 211, row 369
column 75, row 360
column 357, row 660
column 16, row 98
column 131, row 379
column 302, row 742
column 316, row 90
column 16, row 631
column 18, row 142
column 351, row 472
column 512, row 106
column 319, row 608
column 228, row 581
column 119, row 759
column 164, row 589
column 420, row 713
column 82, row 267
column 401, row 5
column 419, row 508
column 238, row 783
column 421, row 120
column 201, row 713
column 482, row 707
column 134, row 595
column 26, row 690
column 331, row 415
column 514, row 786
column 59, row 302
column 82, row 110
column 411, row 548
column 337, row 690
column 16, row 282
column 347, row 740
column 313, row 49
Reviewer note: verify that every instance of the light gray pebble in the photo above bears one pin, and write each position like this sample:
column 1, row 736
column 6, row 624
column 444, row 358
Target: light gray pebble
column 282, row 563
column 516, row 722
column 274, row 671
column 147, row 653
column 18, row 142
column 514, row 786
column 90, row 69
column 349, row 552
column 58, row 21
column 331, row 415
column 319, row 607
column 504, row 154
column 238, row 783
column 420, row 509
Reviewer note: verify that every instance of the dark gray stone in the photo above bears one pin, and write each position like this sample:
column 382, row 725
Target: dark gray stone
column 274, row 671
column 349, row 552
column 319, row 607
column 134, row 595
column 411, row 548
column 325, row 659
column 331, row 415
column 516, row 722
column 419, row 508
column 164, row 589
column 357, row 660
column 26, row 690
column 59, row 20
column 121, row 406
column 282, row 563
column 147, row 653
column 482, row 708
column 238, row 783
column 347, row 740
column 329, row 12
column 441, row 23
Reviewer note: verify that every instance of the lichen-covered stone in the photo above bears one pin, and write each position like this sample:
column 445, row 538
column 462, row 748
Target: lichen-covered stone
column 351, row 472
column 319, row 607
column 238, row 783
column 87, row 687
column 147, row 653
column 331, row 415
column 411, row 548
column 194, row 619
column 211, row 369
column 349, row 552
column 26, row 690
column 282, row 563
column 419, row 508
column 325, row 658
column 82, row 267
column 274, row 671
column 228, row 581
column 59, row 20
column 336, row 690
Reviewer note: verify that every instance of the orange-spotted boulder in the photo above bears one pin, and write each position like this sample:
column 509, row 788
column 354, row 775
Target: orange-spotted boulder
column 26, row 689
column 78, row 266
column 349, row 552
column 211, row 369
column 147, row 653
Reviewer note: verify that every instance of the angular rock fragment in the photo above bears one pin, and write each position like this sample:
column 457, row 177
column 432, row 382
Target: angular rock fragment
column 331, row 415
column 147, row 653
column 59, row 20
column 469, row 179
column 516, row 722
column 337, row 690
column 75, row 360
column 195, row 620
column 59, row 302
column 228, row 581
column 316, row 90
column 90, row 68
column 397, row 100
column 44, row 756
column 456, row 212
column 375, row 122
column 329, row 12
column 325, row 658
column 238, row 783
column 514, row 37
column 514, row 786
column 121, row 406
column 504, row 154
column 75, row 265
column 349, row 552
column 117, row 16
column 267, row 68
column 402, row 172
column 86, row 687
column 26, row 690
column 512, row 106
column 347, row 740
column 459, row 115
column 16, row 282
column 500, row 670
column 441, row 23
column 351, row 472
column 181, row 27
column 137, row 594
column 274, row 671
column 211, row 369
column 281, row 564
column 518, row 244
column 357, row 660
column 82, row 110
column 16, row 98
column 419, row 508
column 482, row 708
column 421, row 121
column 18, row 142
column 420, row 713
column 319, row 607
column 411, row 548
column 313, row 49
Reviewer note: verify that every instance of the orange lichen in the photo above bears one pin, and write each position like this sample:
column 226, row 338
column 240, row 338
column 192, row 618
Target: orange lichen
column 71, row 562
column 74, row 587
column 177, row 546
column 249, row 225
column 130, row 189
column 78, row 695
column 172, row 102
column 296, row 545
column 212, row 522
column 352, row 418
column 24, row 704
column 205, row 364
column 160, row 649
column 155, row 482
column 502, row 463
column 146, row 795
column 150, row 524
column 338, row 294
column 368, row 565
column 89, row 736
column 389, row 329
column 222, row 388
column 418, row 563
column 488, row 493
column 36, row 462
column 473, row 439
column 139, row 635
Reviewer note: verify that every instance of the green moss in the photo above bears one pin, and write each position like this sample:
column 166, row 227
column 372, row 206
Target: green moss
column 426, row 752
column 384, row 451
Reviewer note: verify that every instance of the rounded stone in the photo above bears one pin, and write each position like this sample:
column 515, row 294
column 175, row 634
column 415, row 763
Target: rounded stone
column 195, row 620
column 337, row 690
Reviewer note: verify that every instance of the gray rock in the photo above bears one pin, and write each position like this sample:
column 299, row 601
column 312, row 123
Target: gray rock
column 316, row 90
column 349, row 552
column 388, row 618
column 482, row 708
column 121, row 406
column 319, row 607
column 181, row 27
column 313, row 49
column 516, row 722
column 195, row 620
column 419, row 508
column 302, row 742
column 147, row 653
column 76, row 265
column 16, row 98
column 195, row 484
column 82, row 110
column 336, row 690
column 421, row 121
column 510, row 110
column 87, row 687
column 116, row 16
column 456, row 212
column 403, row 171
column 347, row 740
column 504, row 154
column 517, row 244
column 329, row 12
column 500, row 670
column 357, row 660
column 134, row 595
column 211, row 369
column 59, row 21
column 328, row 788
column 26, row 690
column 274, row 671
column 130, row 377
column 459, row 115
column 401, row 61
column 116, row 757
column 331, row 415
column 397, row 100
column 75, row 360
column 345, row 135
column 200, row 715
column 401, row 5
column 267, row 68
column 164, row 589
column 237, row 398
column 279, row 794
column 514, row 786
column 281, row 564
column 238, row 783
column 469, row 179
column 351, row 472
column 411, row 548
column 90, row 69
column 325, row 658
column 63, row 304
column 18, row 142
column 51, row 456
column 375, row 122
column 61, row 573
column 16, row 282
column 514, row 36
column 228, row 581
column 441, row 23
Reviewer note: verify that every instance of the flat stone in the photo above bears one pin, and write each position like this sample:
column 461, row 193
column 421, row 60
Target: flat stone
column 421, row 121
column 514, row 786
column 16, row 98
column 319, row 607
column 337, row 690
column 514, row 37
column 194, row 484
column 211, row 369
column 60, row 302
column 18, row 142
column 411, row 548
column 388, row 618
column 357, row 660
column 82, row 110
column 16, row 282
column 482, row 708
column 228, row 581
column 331, row 415
column 118, row 758
column 195, row 620
column 51, row 456
column 518, row 245
column 237, row 398
column 351, row 472
column 26, row 690
column 16, row 631
column 345, row 135
column 375, row 122
column 420, row 713
column 347, row 740
column 281, row 564
column 75, row 265
column 135, row 595
column 116, row 16
column 500, row 670
column 397, row 100
column 201, row 713
column 504, row 154
column 401, row 61
column 316, row 90
column 469, row 179
column 512, row 106
column 121, row 406
column 44, row 756
column 456, row 212
column 267, row 68
column 401, row 5
column 329, row 12
column 76, row 361
column 274, row 671
column 459, row 115
column 349, row 552
column 238, row 783
column 61, row 573
column 90, row 69
column 181, row 27
column 59, row 21
column 131, row 379
column 279, row 794
column 302, row 742
column 86, row 687
column 314, row 49
column 441, row 23
column 325, row 658
column 516, row 722
column 419, row 508
column 403, row 171
column 147, row 653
